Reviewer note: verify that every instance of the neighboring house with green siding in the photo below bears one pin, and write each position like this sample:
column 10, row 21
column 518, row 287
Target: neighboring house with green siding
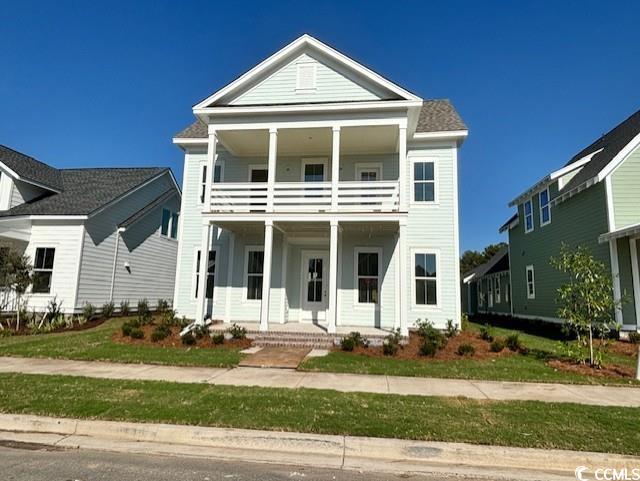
column 486, row 289
column 593, row 201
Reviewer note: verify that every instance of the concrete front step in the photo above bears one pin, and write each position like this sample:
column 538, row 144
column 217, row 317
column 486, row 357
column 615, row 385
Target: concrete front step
column 275, row 343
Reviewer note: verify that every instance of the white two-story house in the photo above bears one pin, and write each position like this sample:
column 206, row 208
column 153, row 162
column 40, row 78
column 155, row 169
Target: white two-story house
column 322, row 193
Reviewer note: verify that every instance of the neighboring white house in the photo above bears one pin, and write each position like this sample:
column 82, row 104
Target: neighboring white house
column 323, row 193
column 92, row 235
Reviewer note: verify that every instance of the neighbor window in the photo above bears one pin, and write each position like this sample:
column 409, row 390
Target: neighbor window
column 528, row 216
column 169, row 226
column 43, row 270
column 426, row 279
column 424, row 186
column 255, row 264
column 211, row 272
column 496, row 289
column 531, row 283
column 545, row 208
column 480, row 294
column 490, row 291
column 368, row 277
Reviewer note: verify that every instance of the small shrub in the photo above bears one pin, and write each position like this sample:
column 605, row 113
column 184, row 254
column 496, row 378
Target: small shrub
column 237, row 332
column 391, row 343
column 218, row 338
column 88, row 311
column 144, row 313
column 464, row 321
column 634, row 337
column 107, row 309
column 162, row 305
column 497, row 345
column 485, row 333
column 128, row 326
column 200, row 331
column 161, row 332
column 431, row 335
column 169, row 317
column 188, row 339
column 513, row 342
column 54, row 310
column 347, row 343
column 466, row 350
column 124, row 308
column 353, row 340
column 451, row 330
column 183, row 322
column 136, row 333
column 428, row 348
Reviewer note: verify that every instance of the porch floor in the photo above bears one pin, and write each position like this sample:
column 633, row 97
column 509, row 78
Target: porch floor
column 303, row 328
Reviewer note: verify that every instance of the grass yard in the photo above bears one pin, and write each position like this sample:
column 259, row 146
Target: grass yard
column 530, row 367
column 522, row 423
column 96, row 344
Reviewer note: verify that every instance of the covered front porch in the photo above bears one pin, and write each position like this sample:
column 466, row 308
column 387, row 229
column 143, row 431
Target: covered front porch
column 328, row 276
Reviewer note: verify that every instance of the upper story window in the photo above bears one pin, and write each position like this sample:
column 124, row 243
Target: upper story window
column 306, row 76
column 545, row 208
column 43, row 270
column 169, row 224
column 217, row 177
column 424, row 182
column 528, row 216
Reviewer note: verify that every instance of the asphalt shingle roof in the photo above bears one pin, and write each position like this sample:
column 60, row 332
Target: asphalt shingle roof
column 168, row 194
column 611, row 144
column 31, row 169
column 500, row 261
column 86, row 190
column 435, row 116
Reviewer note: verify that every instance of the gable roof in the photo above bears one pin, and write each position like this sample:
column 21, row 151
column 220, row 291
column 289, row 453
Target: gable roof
column 158, row 201
column 512, row 222
column 499, row 262
column 290, row 50
column 30, row 170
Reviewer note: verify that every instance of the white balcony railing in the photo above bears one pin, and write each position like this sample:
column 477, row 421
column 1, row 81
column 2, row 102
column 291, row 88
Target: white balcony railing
column 379, row 196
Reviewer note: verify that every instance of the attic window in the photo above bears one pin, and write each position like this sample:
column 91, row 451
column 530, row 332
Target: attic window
column 306, row 76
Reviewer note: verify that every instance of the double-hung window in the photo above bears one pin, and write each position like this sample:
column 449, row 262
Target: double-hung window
column 528, row 216
column 425, row 279
column 496, row 288
column 211, row 272
column 424, row 182
column 43, row 270
column 545, row 208
column 255, row 265
column 368, row 276
column 531, row 283
column 169, row 224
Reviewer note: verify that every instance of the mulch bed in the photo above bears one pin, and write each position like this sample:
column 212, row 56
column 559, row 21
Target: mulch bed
column 174, row 340
column 411, row 350
column 25, row 331
column 609, row 370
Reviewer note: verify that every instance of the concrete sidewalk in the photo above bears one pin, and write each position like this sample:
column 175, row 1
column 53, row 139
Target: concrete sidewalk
column 285, row 378
column 344, row 452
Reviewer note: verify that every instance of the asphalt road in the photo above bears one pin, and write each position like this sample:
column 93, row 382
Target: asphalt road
column 24, row 462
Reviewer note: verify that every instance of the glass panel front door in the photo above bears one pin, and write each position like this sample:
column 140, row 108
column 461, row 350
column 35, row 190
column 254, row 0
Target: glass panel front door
column 315, row 285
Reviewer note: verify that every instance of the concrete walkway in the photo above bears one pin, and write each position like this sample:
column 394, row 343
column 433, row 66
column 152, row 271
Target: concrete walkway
column 285, row 378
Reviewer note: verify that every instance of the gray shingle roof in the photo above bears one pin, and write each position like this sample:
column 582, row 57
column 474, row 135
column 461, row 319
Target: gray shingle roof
column 31, row 169
column 86, row 190
column 166, row 195
column 435, row 116
column 439, row 115
column 498, row 263
column 612, row 143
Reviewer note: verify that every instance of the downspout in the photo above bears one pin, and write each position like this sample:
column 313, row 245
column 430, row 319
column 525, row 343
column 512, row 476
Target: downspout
column 115, row 262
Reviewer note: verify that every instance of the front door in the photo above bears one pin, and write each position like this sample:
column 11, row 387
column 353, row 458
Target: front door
column 314, row 285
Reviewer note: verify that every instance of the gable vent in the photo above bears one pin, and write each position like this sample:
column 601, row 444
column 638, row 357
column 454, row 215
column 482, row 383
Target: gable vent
column 306, row 79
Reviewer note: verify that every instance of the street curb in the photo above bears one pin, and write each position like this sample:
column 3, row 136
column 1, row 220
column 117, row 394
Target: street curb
column 327, row 451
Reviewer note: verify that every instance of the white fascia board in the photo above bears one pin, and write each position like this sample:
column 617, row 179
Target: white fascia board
column 629, row 231
column 15, row 175
column 43, row 217
column 509, row 226
column 576, row 190
column 620, row 156
column 571, row 167
column 467, row 279
column 293, row 46
column 537, row 187
column 192, row 141
column 443, row 134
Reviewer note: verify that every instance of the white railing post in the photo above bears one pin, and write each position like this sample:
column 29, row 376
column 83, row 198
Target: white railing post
column 403, row 167
column 335, row 168
column 211, row 165
column 271, row 173
column 266, row 275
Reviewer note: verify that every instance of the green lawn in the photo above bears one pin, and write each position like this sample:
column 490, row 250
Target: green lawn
column 522, row 423
column 530, row 367
column 96, row 345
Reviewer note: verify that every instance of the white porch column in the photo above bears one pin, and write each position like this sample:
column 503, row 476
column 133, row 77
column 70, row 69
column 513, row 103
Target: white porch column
column 228, row 288
column 211, row 164
column 271, row 174
column 333, row 278
column 266, row 275
column 403, row 284
column 283, row 289
column 205, row 245
column 335, row 168
column 615, row 277
column 403, row 167
column 635, row 272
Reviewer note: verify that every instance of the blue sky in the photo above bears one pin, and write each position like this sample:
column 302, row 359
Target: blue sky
column 108, row 84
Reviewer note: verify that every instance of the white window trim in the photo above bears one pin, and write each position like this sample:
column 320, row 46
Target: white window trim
column 414, row 305
column 530, row 268
column 200, row 183
column 524, row 212
column 364, row 166
column 253, row 167
column 497, row 289
column 195, row 273
column 480, row 294
column 48, row 245
column 315, row 160
column 436, row 177
column 542, row 223
column 245, row 274
column 315, row 77
column 356, row 297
